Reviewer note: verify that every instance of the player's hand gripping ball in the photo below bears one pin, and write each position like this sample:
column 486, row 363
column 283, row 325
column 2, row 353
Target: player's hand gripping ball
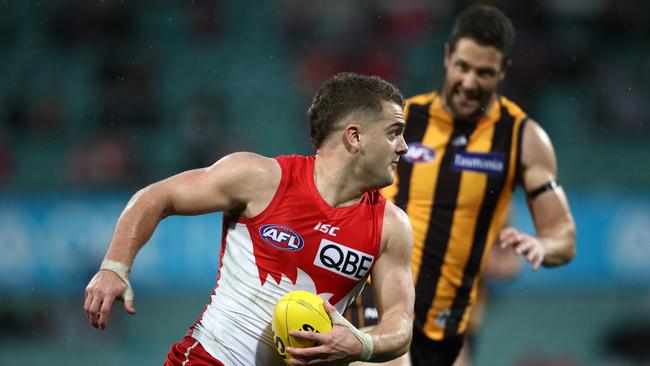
column 298, row 310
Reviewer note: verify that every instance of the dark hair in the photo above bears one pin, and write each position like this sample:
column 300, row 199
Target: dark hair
column 487, row 26
column 343, row 94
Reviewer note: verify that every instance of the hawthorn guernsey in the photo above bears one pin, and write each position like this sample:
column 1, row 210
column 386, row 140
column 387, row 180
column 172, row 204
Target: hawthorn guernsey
column 299, row 242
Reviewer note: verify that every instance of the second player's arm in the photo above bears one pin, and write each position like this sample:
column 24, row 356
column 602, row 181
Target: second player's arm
column 393, row 289
column 550, row 209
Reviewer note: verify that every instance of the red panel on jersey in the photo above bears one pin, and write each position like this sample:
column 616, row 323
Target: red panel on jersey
column 335, row 247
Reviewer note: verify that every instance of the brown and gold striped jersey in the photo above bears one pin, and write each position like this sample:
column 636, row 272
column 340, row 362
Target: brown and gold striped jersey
column 455, row 183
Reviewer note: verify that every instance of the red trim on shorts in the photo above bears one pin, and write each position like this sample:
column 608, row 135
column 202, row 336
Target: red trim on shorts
column 189, row 352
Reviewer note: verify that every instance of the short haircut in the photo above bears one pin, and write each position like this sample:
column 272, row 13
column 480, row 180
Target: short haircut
column 347, row 93
column 487, row 26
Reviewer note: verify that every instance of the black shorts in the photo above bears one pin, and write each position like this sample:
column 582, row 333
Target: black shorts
column 428, row 352
column 424, row 350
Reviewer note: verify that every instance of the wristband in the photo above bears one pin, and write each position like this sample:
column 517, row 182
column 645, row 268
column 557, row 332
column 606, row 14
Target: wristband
column 122, row 272
column 364, row 338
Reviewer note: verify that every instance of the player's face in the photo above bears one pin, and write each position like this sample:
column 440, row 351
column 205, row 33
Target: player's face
column 473, row 74
column 384, row 145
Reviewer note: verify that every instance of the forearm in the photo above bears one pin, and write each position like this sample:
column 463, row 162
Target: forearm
column 560, row 247
column 392, row 336
column 136, row 225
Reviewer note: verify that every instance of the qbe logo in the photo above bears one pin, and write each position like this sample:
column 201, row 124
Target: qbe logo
column 345, row 261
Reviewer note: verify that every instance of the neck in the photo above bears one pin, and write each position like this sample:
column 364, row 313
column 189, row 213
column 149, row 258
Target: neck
column 335, row 181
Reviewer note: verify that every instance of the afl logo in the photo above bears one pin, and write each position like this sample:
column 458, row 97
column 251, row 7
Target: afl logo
column 281, row 237
column 419, row 153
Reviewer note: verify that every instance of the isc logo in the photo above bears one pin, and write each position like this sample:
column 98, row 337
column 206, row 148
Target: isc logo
column 281, row 237
column 345, row 261
column 326, row 228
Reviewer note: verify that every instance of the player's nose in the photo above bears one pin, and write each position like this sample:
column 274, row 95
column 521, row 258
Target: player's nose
column 469, row 82
column 402, row 148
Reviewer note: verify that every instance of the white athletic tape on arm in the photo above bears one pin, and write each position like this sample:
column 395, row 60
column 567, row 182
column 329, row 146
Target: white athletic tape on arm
column 122, row 272
column 364, row 338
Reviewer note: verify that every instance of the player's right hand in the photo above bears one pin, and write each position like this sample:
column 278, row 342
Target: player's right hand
column 335, row 347
column 527, row 246
column 102, row 290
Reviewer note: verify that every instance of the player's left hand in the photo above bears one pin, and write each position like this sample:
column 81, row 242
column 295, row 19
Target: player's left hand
column 524, row 245
column 338, row 346
column 102, row 290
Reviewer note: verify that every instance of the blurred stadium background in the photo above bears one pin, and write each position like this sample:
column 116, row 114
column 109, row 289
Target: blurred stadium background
column 98, row 99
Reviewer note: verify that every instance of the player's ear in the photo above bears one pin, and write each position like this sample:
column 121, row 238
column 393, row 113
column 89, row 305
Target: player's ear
column 504, row 69
column 447, row 55
column 351, row 137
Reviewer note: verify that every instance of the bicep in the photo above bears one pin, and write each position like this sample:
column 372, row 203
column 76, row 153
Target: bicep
column 538, row 162
column 392, row 279
column 539, row 166
column 194, row 192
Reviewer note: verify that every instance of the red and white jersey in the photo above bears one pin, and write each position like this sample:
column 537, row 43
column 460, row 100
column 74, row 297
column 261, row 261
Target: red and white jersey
column 299, row 242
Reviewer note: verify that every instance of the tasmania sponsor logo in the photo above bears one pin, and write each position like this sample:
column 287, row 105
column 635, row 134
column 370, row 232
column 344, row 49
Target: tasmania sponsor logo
column 491, row 163
column 419, row 153
column 343, row 260
column 281, row 237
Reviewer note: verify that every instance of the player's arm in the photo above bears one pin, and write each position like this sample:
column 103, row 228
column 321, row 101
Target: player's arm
column 554, row 243
column 237, row 182
column 392, row 284
column 229, row 184
column 394, row 292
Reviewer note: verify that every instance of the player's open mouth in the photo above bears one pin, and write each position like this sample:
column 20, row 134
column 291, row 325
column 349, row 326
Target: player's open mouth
column 466, row 100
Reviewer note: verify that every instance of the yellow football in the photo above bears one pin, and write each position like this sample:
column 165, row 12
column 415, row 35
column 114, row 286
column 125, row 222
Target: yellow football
column 298, row 310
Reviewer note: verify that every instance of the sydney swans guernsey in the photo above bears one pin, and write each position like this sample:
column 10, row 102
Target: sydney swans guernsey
column 299, row 242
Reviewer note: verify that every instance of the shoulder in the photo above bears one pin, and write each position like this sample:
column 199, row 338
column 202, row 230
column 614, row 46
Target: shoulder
column 252, row 160
column 246, row 171
column 396, row 215
column 246, row 163
column 538, row 161
column 512, row 108
column 396, row 227
column 418, row 105
column 535, row 143
column 534, row 133
column 421, row 99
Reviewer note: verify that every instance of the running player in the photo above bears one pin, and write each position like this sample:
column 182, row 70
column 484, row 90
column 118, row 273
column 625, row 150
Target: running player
column 468, row 147
column 314, row 223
